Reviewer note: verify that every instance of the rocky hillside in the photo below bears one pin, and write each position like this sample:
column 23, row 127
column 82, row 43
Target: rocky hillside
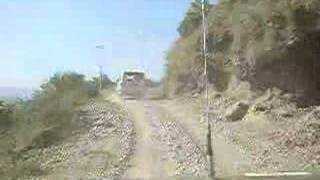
column 263, row 69
column 271, row 43
column 39, row 133
column 100, row 146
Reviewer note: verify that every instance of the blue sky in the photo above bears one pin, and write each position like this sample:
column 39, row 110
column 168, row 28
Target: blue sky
column 39, row 38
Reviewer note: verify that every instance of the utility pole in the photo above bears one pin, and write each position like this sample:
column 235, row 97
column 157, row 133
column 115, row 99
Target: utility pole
column 100, row 77
column 210, row 160
column 101, row 47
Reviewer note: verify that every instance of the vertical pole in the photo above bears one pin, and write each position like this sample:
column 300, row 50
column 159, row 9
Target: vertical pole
column 211, row 172
column 100, row 77
column 100, row 68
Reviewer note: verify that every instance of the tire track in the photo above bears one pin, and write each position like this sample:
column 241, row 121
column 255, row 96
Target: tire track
column 163, row 148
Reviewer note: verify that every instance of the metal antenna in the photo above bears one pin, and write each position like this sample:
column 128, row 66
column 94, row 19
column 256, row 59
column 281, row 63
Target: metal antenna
column 211, row 172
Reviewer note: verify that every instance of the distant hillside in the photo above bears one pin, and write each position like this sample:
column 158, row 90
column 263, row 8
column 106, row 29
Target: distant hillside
column 14, row 92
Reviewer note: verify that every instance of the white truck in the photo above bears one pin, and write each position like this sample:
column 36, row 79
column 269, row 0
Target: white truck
column 132, row 84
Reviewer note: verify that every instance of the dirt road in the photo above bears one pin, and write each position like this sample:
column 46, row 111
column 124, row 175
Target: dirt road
column 170, row 142
column 163, row 148
column 147, row 161
column 229, row 159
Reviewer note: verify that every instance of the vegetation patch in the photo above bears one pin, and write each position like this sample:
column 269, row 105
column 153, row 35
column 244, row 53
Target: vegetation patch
column 271, row 43
column 29, row 126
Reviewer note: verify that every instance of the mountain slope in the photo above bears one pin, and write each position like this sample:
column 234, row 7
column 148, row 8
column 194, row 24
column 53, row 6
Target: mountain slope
column 271, row 43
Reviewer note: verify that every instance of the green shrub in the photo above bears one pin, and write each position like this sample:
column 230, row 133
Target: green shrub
column 46, row 119
column 53, row 107
column 5, row 115
column 107, row 83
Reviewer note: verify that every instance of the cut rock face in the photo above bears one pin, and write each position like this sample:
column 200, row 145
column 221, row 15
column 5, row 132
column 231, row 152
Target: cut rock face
column 237, row 111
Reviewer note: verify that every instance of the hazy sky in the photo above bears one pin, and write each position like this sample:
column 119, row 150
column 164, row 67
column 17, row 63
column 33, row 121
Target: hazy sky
column 41, row 37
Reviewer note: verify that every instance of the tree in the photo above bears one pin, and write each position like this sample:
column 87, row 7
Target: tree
column 106, row 82
column 193, row 17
